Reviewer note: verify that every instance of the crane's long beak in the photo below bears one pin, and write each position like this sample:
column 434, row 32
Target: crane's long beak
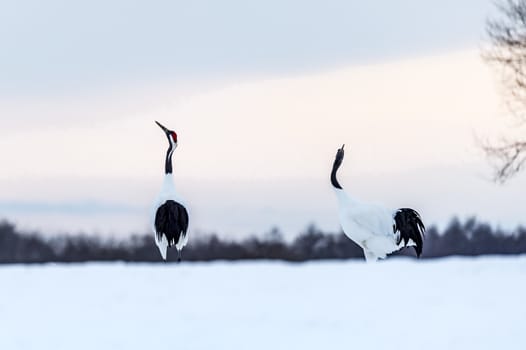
column 161, row 126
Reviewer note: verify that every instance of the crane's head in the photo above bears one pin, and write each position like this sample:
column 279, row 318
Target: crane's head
column 339, row 156
column 172, row 136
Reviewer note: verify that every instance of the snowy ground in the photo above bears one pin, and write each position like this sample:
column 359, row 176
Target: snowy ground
column 398, row 304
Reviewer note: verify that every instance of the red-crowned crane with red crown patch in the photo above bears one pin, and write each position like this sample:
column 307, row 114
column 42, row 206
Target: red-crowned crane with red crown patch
column 169, row 215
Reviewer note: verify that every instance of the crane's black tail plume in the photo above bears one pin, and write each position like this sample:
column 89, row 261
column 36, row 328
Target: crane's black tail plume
column 409, row 226
column 171, row 220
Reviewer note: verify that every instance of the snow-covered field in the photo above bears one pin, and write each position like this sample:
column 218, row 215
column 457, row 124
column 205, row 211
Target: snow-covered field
column 452, row 303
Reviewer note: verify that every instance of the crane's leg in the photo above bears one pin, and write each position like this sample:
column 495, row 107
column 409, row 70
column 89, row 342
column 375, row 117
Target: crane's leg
column 178, row 256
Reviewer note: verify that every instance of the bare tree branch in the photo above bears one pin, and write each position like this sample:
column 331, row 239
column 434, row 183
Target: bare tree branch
column 507, row 53
column 508, row 158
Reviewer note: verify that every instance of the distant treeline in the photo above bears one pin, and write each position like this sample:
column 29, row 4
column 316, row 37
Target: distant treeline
column 468, row 238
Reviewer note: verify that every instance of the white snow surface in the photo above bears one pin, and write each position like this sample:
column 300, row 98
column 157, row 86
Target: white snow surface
column 453, row 303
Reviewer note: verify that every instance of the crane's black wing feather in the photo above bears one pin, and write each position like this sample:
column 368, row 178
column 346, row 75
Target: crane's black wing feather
column 410, row 227
column 171, row 220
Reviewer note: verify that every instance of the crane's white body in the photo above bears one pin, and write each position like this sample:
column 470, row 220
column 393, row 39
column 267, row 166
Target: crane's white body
column 168, row 192
column 370, row 226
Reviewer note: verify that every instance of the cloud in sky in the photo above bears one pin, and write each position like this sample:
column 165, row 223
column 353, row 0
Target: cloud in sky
column 63, row 46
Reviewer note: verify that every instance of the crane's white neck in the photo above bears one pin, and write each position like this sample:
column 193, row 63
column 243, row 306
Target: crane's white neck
column 168, row 183
column 343, row 198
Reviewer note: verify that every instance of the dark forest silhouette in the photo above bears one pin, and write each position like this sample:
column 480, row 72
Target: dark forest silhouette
column 468, row 238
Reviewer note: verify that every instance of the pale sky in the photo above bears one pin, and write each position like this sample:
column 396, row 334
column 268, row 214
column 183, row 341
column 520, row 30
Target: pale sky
column 63, row 46
column 261, row 98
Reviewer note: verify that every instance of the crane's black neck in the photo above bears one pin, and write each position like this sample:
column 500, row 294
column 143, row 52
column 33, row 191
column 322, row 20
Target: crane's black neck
column 168, row 169
column 334, row 180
